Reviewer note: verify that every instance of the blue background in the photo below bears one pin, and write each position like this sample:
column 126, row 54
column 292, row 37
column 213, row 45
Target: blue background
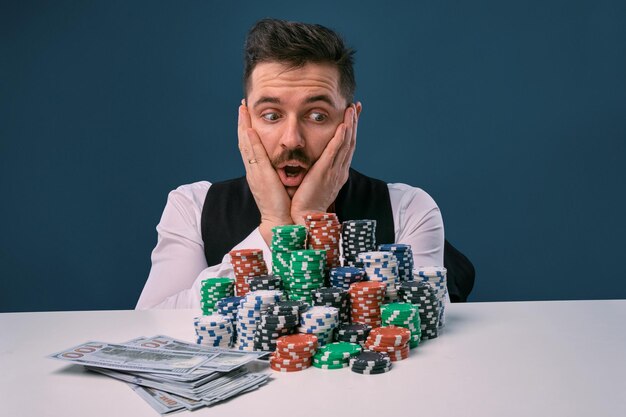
column 510, row 114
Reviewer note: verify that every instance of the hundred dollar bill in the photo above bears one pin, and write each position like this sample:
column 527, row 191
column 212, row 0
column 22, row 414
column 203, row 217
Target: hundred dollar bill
column 224, row 360
column 160, row 396
column 133, row 358
column 192, row 392
column 162, row 402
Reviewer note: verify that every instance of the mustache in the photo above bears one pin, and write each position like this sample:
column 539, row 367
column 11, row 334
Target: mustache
column 292, row 155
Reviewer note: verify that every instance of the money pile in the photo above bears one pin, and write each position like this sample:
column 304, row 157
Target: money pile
column 172, row 375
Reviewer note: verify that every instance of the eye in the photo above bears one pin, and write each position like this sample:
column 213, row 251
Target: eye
column 270, row 117
column 318, row 117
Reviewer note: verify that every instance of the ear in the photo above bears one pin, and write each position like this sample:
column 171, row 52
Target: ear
column 358, row 107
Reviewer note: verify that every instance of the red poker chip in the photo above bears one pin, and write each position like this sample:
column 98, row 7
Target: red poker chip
column 295, row 355
column 365, row 307
column 391, row 333
column 320, row 215
column 376, row 299
column 365, row 320
column 246, row 252
column 387, row 349
column 370, row 314
column 298, row 341
column 367, row 285
column 280, row 360
column 359, row 316
column 286, row 368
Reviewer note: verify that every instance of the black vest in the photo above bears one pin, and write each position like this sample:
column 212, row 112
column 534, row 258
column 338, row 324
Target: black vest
column 231, row 214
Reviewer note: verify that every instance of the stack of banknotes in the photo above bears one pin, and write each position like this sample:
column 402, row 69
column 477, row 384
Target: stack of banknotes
column 173, row 375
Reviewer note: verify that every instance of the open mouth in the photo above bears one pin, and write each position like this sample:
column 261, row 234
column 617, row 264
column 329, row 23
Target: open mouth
column 293, row 171
column 291, row 174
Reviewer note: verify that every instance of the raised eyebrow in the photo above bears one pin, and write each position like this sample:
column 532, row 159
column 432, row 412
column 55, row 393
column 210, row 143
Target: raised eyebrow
column 266, row 99
column 322, row 97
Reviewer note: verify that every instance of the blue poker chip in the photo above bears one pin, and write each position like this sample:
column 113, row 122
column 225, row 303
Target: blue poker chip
column 214, row 330
column 394, row 247
column 214, row 325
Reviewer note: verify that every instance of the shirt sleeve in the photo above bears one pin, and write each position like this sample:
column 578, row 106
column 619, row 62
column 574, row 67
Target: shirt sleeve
column 418, row 222
column 178, row 261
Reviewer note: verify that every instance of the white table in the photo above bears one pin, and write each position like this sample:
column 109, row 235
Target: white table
column 493, row 359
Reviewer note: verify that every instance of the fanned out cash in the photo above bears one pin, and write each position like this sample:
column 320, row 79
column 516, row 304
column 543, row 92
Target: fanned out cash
column 172, row 375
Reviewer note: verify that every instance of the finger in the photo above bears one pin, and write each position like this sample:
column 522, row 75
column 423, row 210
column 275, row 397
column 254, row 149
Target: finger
column 352, row 146
column 344, row 146
column 258, row 150
column 244, row 143
column 330, row 152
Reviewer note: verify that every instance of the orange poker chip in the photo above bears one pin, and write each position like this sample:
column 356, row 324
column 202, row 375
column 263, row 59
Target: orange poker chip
column 367, row 286
column 400, row 354
column 391, row 333
column 297, row 341
column 284, row 368
column 365, row 316
column 387, row 349
column 320, row 215
column 367, row 303
column 280, row 360
column 364, row 320
column 295, row 355
column 246, row 252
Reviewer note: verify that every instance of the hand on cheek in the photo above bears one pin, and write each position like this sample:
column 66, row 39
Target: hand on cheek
column 268, row 191
column 329, row 173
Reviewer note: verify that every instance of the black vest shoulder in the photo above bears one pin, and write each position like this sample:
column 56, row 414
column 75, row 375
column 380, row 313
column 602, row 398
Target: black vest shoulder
column 230, row 213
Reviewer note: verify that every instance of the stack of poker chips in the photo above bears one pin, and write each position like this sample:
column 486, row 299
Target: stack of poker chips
column 293, row 353
column 333, row 297
column 280, row 319
column 357, row 236
column 212, row 290
column 228, row 306
column 321, row 322
column 271, row 327
column 365, row 300
column 247, row 263
column 214, row 330
column 353, row 333
column 284, row 240
column 370, row 363
column 249, row 315
column 265, row 282
column 423, row 296
column 404, row 257
column 436, row 277
column 382, row 267
column 403, row 315
column 324, row 233
column 392, row 340
column 306, row 274
column 345, row 276
column 335, row 355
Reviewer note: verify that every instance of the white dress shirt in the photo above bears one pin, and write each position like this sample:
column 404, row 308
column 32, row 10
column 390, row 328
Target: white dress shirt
column 179, row 265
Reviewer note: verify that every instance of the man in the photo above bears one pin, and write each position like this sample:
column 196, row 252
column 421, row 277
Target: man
column 297, row 129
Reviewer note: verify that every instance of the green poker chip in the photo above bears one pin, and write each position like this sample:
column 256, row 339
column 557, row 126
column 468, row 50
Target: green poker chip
column 403, row 315
column 326, row 366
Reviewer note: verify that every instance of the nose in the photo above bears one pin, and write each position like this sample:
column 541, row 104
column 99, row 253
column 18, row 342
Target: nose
column 293, row 136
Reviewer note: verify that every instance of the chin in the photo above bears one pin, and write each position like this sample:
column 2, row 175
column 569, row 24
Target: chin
column 291, row 191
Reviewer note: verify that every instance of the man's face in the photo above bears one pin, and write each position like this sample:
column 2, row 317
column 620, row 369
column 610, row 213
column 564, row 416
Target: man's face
column 296, row 113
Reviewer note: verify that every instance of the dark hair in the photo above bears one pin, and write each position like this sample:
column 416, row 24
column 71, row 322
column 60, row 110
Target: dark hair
column 296, row 44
